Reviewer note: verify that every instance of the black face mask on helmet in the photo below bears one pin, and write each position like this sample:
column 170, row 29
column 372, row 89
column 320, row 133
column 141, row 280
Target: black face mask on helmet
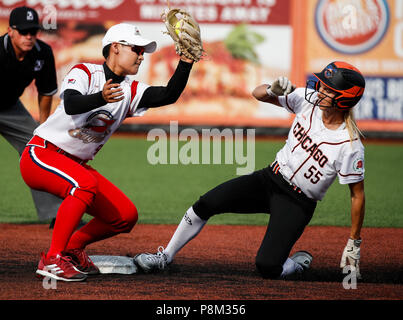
column 343, row 79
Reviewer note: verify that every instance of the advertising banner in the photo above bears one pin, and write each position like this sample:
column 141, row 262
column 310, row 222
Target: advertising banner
column 247, row 42
column 367, row 34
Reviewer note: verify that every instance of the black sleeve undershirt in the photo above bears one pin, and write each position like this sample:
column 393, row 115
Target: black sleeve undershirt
column 153, row 97
column 76, row 103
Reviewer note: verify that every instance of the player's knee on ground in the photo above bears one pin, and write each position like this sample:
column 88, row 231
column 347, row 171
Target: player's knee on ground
column 267, row 270
column 205, row 208
column 127, row 219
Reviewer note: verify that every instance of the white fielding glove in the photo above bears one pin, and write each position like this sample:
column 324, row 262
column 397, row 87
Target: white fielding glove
column 280, row 87
column 351, row 254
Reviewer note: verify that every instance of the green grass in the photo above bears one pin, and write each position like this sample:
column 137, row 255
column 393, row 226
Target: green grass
column 162, row 193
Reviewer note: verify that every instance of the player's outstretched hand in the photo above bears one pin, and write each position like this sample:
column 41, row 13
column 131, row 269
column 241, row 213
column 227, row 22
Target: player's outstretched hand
column 112, row 92
column 280, row 87
column 351, row 254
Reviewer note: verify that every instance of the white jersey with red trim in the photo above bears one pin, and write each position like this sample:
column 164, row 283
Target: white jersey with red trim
column 314, row 155
column 83, row 135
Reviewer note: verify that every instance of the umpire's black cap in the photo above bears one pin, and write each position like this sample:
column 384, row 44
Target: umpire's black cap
column 23, row 18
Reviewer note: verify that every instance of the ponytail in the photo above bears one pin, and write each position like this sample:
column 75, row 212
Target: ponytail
column 352, row 128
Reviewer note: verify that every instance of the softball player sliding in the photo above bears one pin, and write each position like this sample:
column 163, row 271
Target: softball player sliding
column 95, row 99
column 323, row 143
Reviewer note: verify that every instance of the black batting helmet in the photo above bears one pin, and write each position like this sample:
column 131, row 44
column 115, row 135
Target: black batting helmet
column 346, row 80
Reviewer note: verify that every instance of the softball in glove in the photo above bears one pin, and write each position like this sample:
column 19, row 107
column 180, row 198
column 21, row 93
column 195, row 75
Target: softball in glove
column 185, row 32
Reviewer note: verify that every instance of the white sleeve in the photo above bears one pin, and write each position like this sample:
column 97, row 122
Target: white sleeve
column 293, row 102
column 137, row 91
column 350, row 168
column 76, row 79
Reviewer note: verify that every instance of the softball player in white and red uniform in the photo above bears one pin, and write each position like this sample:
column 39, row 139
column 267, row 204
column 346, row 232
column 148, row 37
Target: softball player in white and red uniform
column 323, row 143
column 95, row 99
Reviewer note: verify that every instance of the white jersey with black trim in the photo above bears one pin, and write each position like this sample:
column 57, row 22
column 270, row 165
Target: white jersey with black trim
column 314, row 155
column 83, row 135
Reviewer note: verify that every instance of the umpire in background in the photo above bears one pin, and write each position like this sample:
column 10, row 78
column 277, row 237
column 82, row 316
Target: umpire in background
column 24, row 58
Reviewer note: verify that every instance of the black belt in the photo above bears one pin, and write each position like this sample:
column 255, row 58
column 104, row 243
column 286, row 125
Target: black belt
column 275, row 167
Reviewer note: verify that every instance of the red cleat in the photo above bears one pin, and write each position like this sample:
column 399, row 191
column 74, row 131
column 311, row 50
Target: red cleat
column 81, row 261
column 58, row 268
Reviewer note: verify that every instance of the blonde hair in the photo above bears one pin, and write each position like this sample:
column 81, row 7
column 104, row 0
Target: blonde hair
column 352, row 128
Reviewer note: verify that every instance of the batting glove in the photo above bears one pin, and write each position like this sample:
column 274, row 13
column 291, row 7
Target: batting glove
column 280, row 87
column 351, row 254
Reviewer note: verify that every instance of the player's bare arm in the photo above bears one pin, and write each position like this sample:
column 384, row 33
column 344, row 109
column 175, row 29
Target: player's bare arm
column 352, row 252
column 357, row 208
column 260, row 93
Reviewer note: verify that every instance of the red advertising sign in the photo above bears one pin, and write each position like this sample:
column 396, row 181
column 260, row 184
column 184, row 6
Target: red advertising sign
column 205, row 11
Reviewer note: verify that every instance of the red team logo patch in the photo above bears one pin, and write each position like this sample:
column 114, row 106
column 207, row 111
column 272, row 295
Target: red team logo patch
column 352, row 27
column 71, row 81
column 358, row 165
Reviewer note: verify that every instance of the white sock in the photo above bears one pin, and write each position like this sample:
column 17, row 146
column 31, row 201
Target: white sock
column 188, row 228
column 290, row 267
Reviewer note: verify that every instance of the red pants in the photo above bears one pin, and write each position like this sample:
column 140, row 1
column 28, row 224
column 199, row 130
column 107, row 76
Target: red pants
column 44, row 167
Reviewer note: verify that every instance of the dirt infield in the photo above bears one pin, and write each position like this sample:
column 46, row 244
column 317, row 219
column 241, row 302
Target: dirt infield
column 217, row 265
